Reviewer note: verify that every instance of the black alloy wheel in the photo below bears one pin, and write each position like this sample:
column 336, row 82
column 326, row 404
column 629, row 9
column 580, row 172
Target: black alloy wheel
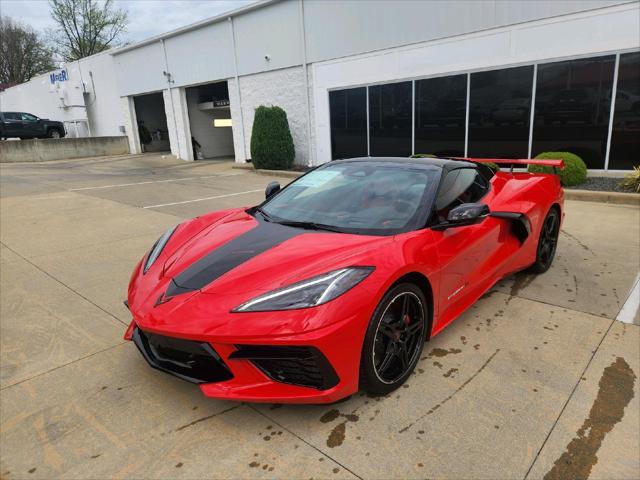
column 548, row 242
column 394, row 339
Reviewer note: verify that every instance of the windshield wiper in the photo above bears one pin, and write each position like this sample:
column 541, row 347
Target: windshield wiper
column 312, row 226
column 263, row 213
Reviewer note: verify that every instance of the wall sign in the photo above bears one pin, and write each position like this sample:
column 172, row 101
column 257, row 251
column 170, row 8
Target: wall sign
column 57, row 77
column 221, row 103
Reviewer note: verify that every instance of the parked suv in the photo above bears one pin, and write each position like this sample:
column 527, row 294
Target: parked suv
column 25, row 125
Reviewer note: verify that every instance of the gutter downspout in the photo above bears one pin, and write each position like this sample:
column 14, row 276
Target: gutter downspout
column 173, row 110
column 237, row 81
column 306, row 82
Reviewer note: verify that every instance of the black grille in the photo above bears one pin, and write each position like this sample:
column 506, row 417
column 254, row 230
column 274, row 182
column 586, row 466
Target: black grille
column 195, row 362
column 304, row 366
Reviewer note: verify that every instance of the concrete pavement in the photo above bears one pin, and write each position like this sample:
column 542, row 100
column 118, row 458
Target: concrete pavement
column 537, row 380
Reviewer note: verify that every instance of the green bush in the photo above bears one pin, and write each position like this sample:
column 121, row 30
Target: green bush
column 271, row 141
column 574, row 172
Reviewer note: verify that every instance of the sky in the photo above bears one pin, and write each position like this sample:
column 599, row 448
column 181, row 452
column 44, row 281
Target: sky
column 146, row 17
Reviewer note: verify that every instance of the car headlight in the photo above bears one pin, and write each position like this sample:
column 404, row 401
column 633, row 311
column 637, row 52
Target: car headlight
column 308, row 293
column 157, row 248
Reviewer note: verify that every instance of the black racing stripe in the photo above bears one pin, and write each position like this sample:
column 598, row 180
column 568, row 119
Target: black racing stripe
column 227, row 257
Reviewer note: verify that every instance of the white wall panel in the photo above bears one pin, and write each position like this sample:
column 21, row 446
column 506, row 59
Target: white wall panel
column 340, row 28
column 202, row 55
column 140, row 70
column 273, row 31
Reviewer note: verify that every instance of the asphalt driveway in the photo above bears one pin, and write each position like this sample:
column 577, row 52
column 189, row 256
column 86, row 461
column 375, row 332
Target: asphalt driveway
column 538, row 380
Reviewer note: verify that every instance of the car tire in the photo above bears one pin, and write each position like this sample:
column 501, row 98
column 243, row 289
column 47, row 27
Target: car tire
column 547, row 242
column 394, row 339
column 54, row 133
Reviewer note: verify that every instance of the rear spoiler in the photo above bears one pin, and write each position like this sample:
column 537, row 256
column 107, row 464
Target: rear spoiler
column 555, row 164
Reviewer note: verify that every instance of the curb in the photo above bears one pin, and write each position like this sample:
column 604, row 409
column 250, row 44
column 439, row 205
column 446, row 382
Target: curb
column 604, row 197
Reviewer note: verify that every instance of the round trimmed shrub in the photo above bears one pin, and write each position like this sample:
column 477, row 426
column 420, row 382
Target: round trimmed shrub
column 574, row 172
column 271, row 142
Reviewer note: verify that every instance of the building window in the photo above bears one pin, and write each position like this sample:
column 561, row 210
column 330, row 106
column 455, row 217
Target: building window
column 572, row 108
column 499, row 113
column 625, row 136
column 440, row 115
column 348, row 110
column 390, row 120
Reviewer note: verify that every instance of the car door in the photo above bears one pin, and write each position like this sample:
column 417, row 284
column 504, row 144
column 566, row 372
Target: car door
column 465, row 253
column 31, row 125
column 12, row 124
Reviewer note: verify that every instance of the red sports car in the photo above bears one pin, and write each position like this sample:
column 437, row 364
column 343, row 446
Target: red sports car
column 334, row 283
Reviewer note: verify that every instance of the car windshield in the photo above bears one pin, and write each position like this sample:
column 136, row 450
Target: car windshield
column 375, row 198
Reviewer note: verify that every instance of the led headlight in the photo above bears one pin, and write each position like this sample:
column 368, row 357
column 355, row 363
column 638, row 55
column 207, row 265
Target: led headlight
column 157, row 248
column 308, row 293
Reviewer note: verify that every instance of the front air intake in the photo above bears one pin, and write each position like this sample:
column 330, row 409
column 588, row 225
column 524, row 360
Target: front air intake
column 303, row 366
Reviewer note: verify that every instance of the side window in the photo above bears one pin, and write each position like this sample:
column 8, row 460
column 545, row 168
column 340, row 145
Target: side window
column 11, row 116
column 27, row 117
column 464, row 185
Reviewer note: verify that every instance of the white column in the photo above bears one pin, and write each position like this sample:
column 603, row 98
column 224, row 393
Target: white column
column 131, row 124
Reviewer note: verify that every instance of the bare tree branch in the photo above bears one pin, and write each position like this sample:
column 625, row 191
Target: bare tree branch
column 87, row 27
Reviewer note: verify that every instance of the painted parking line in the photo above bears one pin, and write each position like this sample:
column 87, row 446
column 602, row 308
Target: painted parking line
column 628, row 312
column 153, row 181
column 203, row 199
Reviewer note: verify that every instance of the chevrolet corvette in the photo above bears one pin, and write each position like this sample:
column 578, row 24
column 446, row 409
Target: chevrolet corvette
column 335, row 282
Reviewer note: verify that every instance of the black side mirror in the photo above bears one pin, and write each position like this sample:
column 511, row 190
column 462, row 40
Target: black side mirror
column 465, row 214
column 272, row 188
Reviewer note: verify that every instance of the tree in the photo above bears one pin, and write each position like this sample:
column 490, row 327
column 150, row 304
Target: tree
column 22, row 53
column 85, row 27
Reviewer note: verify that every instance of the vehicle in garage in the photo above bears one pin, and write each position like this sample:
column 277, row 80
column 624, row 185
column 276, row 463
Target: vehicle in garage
column 25, row 125
column 334, row 283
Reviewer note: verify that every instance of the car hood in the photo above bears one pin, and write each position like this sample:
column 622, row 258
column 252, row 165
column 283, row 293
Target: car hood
column 233, row 257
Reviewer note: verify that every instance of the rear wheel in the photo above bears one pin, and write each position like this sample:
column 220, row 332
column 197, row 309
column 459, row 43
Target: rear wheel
column 394, row 339
column 547, row 242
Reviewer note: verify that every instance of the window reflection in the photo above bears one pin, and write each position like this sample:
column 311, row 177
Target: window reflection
column 499, row 113
column 390, row 119
column 572, row 108
column 441, row 105
column 348, row 110
column 625, row 136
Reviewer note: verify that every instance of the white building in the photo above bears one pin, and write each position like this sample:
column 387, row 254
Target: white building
column 482, row 78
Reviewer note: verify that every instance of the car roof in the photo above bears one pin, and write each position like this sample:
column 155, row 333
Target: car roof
column 446, row 164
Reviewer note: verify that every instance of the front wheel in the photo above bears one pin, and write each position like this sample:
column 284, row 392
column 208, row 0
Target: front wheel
column 394, row 339
column 547, row 242
column 53, row 133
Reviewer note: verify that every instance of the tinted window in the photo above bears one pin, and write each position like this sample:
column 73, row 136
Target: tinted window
column 348, row 123
column 359, row 197
column 390, row 120
column 499, row 113
column 464, row 185
column 625, row 137
column 441, row 105
column 11, row 116
column 27, row 117
column 572, row 108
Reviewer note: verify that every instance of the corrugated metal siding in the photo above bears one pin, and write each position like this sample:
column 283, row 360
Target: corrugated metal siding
column 349, row 27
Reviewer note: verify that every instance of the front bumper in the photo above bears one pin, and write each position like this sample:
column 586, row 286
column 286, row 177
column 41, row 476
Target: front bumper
column 320, row 366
